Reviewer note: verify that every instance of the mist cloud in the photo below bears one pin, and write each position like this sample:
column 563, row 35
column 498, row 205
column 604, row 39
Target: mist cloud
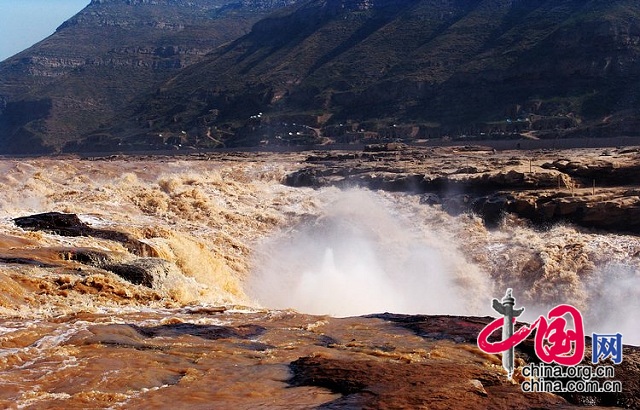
column 359, row 256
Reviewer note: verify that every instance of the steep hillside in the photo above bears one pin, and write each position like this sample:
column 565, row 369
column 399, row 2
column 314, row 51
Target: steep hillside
column 145, row 74
column 96, row 62
column 357, row 69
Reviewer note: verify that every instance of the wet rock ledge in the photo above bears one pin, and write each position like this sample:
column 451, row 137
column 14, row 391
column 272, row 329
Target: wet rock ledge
column 449, row 379
column 141, row 267
column 70, row 225
column 594, row 188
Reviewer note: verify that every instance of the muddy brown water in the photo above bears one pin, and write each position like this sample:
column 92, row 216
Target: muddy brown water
column 79, row 336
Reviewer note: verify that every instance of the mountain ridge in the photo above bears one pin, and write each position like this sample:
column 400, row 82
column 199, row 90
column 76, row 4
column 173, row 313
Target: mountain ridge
column 320, row 71
column 444, row 67
column 74, row 81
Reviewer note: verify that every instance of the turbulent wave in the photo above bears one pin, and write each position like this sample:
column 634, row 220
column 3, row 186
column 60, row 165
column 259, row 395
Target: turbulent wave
column 199, row 216
column 372, row 252
column 236, row 235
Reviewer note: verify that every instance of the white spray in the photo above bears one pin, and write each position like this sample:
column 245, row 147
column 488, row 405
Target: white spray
column 359, row 257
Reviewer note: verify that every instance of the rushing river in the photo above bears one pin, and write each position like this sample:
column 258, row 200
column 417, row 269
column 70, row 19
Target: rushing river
column 77, row 336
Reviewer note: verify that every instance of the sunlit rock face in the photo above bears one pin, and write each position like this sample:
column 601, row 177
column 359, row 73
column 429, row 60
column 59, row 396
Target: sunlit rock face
column 77, row 79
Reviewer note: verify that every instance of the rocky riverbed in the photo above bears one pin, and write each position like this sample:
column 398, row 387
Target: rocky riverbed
column 236, row 280
column 592, row 188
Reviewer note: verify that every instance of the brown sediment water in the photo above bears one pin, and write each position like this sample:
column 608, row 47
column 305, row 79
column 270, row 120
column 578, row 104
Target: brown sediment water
column 76, row 335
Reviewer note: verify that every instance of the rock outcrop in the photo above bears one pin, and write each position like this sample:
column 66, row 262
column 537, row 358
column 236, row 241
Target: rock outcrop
column 141, row 267
column 597, row 188
column 70, row 225
column 151, row 272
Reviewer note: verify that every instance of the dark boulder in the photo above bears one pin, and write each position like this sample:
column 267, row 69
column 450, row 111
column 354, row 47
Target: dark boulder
column 55, row 222
column 151, row 272
column 70, row 225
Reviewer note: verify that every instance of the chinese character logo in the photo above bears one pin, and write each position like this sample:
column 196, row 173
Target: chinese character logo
column 553, row 341
column 605, row 346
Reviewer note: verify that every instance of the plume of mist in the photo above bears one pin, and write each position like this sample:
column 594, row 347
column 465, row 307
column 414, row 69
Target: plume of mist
column 360, row 257
column 614, row 302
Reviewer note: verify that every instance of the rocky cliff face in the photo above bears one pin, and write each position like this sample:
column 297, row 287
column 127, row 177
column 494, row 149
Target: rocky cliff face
column 594, row 189
column 456, row 68
column 122, row 74
column 100, row 59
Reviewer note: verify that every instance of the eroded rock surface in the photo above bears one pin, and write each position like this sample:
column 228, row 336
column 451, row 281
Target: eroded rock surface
column 137, row 267
column 368, row 384
column 70, row 225
column 592, row 188
column 150, row 272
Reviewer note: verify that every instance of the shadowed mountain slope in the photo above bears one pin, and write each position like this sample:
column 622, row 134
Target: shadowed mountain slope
column 134, row 74
column 74, row 81
column 409, row 69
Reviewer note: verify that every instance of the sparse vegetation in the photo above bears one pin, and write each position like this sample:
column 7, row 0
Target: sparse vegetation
column 475, row 69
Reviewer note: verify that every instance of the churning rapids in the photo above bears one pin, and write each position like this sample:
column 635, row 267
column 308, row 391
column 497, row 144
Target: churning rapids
column 255, row 272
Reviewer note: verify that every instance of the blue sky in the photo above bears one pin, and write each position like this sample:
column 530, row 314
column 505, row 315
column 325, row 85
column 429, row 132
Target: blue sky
column 25, row 22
